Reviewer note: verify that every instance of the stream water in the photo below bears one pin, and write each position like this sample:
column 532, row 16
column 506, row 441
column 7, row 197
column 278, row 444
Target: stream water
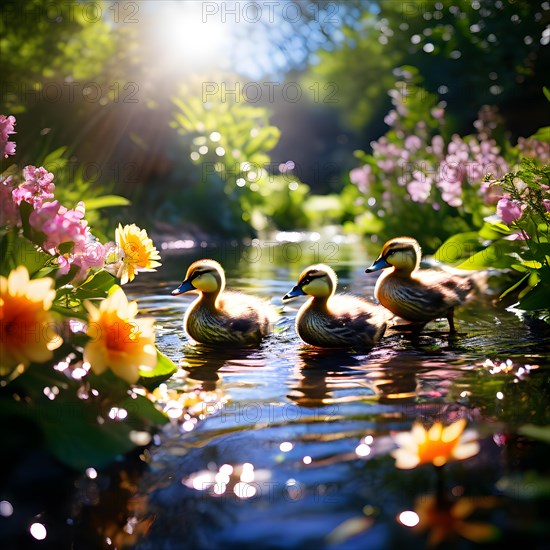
column 290, row 448
column 284, row 447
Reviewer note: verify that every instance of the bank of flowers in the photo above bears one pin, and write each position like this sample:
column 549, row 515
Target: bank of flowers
column 419, row 178
column 476, row 201
column 77, row 360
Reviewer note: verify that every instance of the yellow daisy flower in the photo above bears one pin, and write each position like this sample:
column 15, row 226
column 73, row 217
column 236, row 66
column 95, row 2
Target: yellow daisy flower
column 437, row 446
column 27, row 329
column 118, row 340
column 137, row 252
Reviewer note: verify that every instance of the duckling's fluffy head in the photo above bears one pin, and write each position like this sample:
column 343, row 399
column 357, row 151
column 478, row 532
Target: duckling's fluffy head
column 403, row 253
column 204, row 275
column 318, row 280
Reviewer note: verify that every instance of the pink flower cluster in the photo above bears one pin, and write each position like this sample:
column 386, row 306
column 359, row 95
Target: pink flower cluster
column 59, row 225
column 37, row 187
column 532, row 148
column 420, row 163
column 509, row 210
column 6, row 129
column 467, row 162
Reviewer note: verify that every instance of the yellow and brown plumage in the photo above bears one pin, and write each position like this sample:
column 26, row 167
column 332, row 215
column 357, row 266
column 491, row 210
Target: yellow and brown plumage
column 220, row 317
column 417, row 295
column 330, row 320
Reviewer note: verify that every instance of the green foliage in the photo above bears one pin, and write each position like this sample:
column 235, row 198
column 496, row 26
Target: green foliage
column 229, row 141
column 47, row 41
column 417, row 180
column 72, row 187
column 497, row 44
column 521, row 245
column 84, row 413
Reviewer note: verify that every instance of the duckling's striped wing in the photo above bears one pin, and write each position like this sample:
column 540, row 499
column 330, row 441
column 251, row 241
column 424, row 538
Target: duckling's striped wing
column 349, row 321
column 246, row 314
column 414, row 303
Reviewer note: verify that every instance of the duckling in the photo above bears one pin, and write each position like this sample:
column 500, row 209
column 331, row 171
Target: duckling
column 330, row 320
column 222, row 318
column 417, row 295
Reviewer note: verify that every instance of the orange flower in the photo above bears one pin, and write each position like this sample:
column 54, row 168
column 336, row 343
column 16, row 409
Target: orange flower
column 27, row 330
column 446, row 522
column 137, row 253
column 118, row 340
column 437, row 446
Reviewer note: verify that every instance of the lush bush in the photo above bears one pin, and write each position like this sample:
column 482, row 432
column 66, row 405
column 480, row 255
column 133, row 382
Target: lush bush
column 77, row 363
column 419, row 180
column 516, row 237
column 229, row 141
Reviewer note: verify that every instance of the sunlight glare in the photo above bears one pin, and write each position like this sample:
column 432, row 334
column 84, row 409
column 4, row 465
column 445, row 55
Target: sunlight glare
column 409, row 518
column 182, row 37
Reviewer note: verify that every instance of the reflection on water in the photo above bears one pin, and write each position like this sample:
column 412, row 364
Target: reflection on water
column 292, row 448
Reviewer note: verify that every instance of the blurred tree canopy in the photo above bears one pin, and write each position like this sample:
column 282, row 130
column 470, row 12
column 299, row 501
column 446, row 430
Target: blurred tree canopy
column 99, row 78
column 469, row 53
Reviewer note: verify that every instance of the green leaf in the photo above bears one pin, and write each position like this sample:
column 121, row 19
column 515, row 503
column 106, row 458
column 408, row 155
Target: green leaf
column 513, row 287
column 77, row 439
column 495, row 255
column 494, row 230
column 535, row 299
column 21, row 251
column 67, row 312
column 54, row 161
column 101, row 280
column 106, row 201
column 67, row 278
column 457, row 247
column 164, row 368
column 546, row 92
column 533, row 264
column 541, row 433
column 542, row 134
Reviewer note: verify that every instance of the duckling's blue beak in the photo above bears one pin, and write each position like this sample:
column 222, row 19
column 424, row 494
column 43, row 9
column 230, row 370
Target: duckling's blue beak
column 294, row 293
column 377, row 265
column 186, row 286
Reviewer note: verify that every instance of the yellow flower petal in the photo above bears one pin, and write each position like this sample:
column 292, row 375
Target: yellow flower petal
column 453, row 431
column 118, row 340
column 27, row 330
column 437, row 446
column 137, row 252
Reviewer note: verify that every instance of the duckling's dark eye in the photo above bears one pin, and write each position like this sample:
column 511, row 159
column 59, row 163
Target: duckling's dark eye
column 306, row 280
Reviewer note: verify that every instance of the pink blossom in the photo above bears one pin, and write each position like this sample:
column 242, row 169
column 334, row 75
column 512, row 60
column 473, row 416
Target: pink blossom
column 533, row 148
column 391, row 118
column 84, row 255
column 9, row 214
column 420, row 186
column 6, row 128
column 438, row 113
column 362, row 177
column 546, row 204
column 509, row 210
column 413, row 143
column 519, row 236
column 37, row 187
column 59, row 224
column 438, row 146
column 286, row 166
